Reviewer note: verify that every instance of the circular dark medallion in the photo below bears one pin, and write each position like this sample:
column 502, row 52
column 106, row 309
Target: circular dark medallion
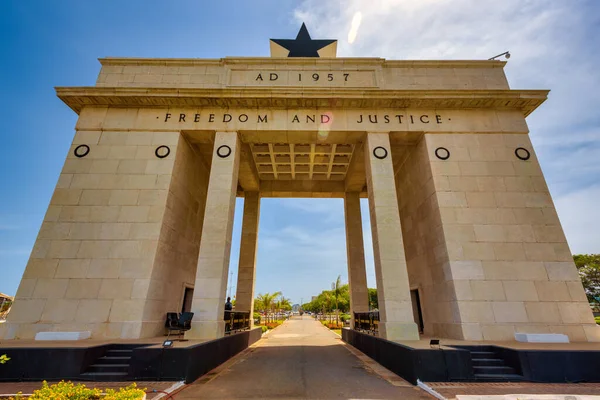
column 224, row 151
column 380, row 152
column 442, row 153
column 82, row 150
column 162, row 151
column 522, row 153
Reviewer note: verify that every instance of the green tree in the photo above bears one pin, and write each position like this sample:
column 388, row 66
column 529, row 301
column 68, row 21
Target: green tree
column 266, row 302
column 588, row 266
column 373, row 303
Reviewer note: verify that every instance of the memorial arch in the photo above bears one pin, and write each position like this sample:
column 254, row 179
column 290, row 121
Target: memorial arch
column 144, row 205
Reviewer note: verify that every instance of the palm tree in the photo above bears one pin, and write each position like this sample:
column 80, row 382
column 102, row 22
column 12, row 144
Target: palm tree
column 285, row 304
column 266, row 301
column 337, row 291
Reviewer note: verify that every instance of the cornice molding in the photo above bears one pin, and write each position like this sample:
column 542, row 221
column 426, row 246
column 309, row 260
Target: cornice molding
column 525, row 101
column 339, row 61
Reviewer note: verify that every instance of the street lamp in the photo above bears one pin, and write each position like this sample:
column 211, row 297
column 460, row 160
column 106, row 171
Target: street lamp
column 506, row 55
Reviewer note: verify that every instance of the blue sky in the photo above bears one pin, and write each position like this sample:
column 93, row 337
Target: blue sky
column 301, row 242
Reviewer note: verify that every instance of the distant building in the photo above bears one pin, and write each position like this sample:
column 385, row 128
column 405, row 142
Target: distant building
column 296, row 308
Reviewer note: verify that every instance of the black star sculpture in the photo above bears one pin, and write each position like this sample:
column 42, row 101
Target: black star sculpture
column 303, row 45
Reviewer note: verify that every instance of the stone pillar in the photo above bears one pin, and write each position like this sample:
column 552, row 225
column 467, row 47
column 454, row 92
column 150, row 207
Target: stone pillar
column 247, row 266
column 393, row 291
column 210, row 288
column 357, row 275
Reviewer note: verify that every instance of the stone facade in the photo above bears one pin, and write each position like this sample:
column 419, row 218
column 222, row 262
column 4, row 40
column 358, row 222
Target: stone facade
column 130, row 226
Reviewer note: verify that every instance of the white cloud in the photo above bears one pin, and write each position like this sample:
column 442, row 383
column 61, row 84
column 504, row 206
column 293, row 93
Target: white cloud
column 552, row 44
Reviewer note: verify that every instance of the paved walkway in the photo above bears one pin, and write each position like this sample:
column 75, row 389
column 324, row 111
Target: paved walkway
column 299, row 360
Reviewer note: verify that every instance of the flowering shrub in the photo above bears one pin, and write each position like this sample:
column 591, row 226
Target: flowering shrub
column 273, row 325
column 70, row 391
column 264, row 328
column 4, row 359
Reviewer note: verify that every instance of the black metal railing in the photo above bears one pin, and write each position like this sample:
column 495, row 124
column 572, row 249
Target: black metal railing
column 367, row 322
column 236, row 321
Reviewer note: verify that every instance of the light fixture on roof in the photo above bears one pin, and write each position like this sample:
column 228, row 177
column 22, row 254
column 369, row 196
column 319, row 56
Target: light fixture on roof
column 506, row 55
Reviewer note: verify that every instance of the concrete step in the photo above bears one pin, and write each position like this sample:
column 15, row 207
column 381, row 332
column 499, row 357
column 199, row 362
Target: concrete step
column 494, row 370
column 487, row 362
column 483, row 354
column 113, row 360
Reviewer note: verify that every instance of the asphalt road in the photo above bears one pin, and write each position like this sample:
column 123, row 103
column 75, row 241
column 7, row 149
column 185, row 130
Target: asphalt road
column 299, row 360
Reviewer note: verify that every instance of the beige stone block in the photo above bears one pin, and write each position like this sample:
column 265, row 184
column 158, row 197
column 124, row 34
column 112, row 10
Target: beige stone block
column 549, row 233
column 50, row 288
column 126, row 310
column 53, row 213
column 64, row 181
column 592, row 332
column 575, row 332
column 481, row 199
column 93, row 311
column 104, row 213
column 132, row 166
column 509, row 251
column 451, row 199
column 510, row 199
column 152, row 197
column 552, row 291
column 476, row 311
column 63, row 249
column 26, row 311
column 40, row 268
column 459, row 233
column 40, row 248
column 461, row 290
column 562, row 271
column 145, row 230
column 104, row 166
column 509, row 311
column 487, row 290
column 506, row 270
column 113, row 138
column 123, row 197
column 94, row 197
column 87, row 137
column 538, row 200
column 542, row 312
column 520, row 291
column 576, row 291
column 498, row 332
column 83, row 288
column 94, row 249
column 73, row 268
column 54, row 230
column 539, row 251
column 160, row 166
column 575, row 313
column 478, row 251
column 466, row 270
column 489, row 233
column 104, row 268
column 471, row 332
column 490, row 184
column 116, row 289
column 134, row 214
column 59, row 311
column 135, row 268
column 25, row 290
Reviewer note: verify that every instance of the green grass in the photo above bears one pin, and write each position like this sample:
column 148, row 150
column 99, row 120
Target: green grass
column 338, row 331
